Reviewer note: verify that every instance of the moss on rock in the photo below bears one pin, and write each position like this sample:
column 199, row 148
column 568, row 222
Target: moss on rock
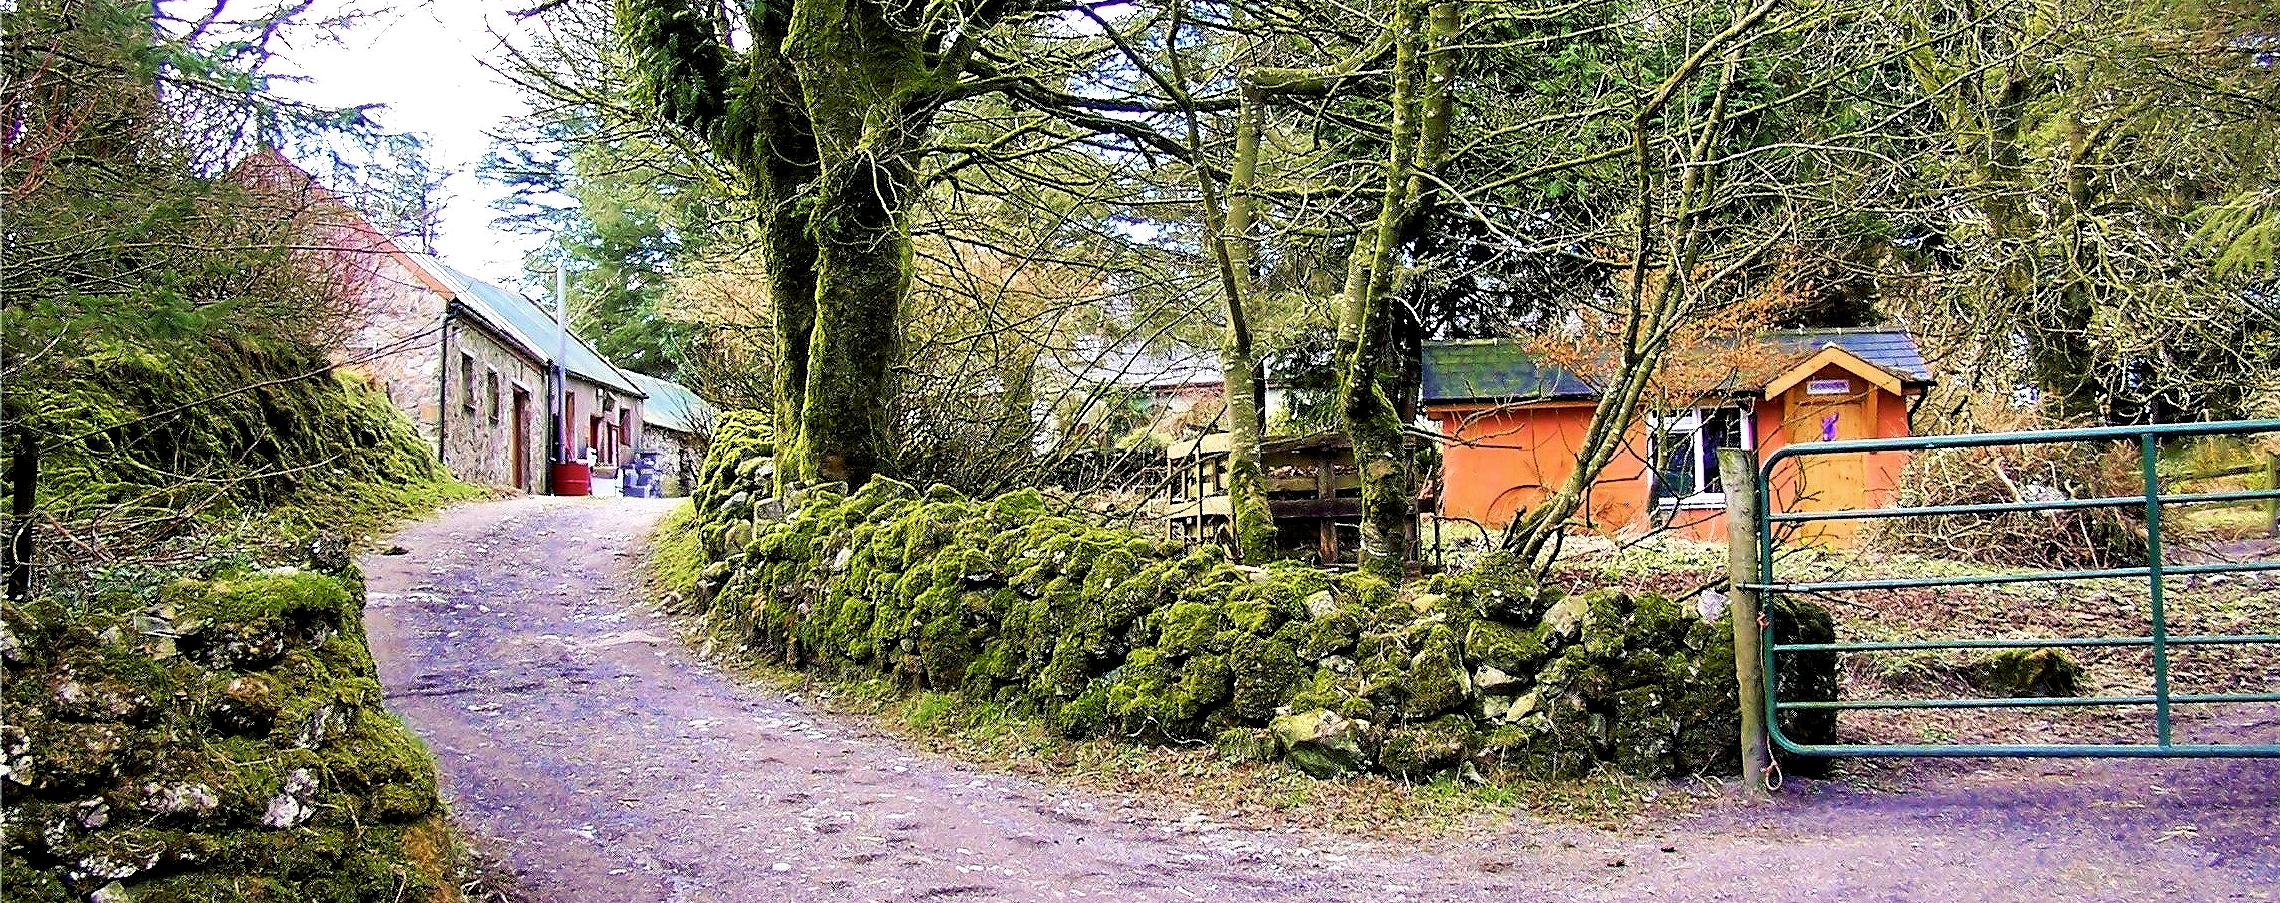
column 2021, row 673
column 1419, row 751
column 1102, row 630
column 251, row 751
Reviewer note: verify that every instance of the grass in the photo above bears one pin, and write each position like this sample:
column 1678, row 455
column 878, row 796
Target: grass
column 128, row 575
column 1198, row 778
column 676, row 557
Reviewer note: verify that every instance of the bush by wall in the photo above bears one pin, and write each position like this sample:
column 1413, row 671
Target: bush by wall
column 1097, row 629
column 132, row 431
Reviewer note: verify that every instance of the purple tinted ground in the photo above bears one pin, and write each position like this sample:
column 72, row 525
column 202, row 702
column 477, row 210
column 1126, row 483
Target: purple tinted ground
column 600, row 760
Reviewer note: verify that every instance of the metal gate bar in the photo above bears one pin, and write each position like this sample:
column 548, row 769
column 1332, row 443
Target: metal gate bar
column 2154, row 573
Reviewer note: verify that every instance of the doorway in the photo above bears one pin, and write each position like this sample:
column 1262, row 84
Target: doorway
column 518, row 445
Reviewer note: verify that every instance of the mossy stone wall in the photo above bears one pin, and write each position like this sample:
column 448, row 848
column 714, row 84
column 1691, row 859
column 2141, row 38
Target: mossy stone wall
column 1097, row 630
column 225, row 742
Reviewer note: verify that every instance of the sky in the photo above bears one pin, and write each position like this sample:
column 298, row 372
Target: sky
column 424, row 60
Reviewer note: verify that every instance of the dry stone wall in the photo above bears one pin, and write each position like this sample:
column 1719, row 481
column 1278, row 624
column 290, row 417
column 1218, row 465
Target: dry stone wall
column 1098, row 629
column 224, row 741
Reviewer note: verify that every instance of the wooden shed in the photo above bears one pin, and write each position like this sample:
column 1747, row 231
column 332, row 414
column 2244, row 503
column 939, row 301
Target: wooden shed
column 1312, row 487
column 1513, row 426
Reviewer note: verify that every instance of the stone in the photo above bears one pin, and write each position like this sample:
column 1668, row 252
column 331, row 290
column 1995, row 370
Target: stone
column 1321, row 605
column 111, row 893
column 1323, row 744
column 1492, row 682
column 1523, row 707
column 1247, row 744
column 1424, row 602
column 1711, row 605
column 1565, row 618
column 886, row 489
column 181, row 799
column 291, row 807
column 1418, row 751
column 1494, row 707
column 2021, row 673
column 325, row 724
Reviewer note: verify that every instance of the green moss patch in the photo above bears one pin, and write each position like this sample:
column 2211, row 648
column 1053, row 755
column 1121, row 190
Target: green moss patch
column 1104, row 632
column 225, row 741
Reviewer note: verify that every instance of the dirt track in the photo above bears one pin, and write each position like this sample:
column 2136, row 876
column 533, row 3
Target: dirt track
column 588, row 749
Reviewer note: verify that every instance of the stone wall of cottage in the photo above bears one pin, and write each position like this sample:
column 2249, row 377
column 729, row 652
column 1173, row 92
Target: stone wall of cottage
column 588, row 399
column 481, row 421
column 392, row 324
column 680, row 456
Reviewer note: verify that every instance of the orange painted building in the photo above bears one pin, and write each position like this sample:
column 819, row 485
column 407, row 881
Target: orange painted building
column 1512, row 427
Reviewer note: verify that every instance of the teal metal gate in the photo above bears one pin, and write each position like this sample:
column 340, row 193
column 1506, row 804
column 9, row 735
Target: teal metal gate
column 2155, row 573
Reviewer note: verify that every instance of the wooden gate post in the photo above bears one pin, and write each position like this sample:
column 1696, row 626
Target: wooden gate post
column 1743, row 504
column 2272, row 506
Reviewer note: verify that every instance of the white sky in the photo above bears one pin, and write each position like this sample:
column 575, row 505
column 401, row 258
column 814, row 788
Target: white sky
column 424, row 60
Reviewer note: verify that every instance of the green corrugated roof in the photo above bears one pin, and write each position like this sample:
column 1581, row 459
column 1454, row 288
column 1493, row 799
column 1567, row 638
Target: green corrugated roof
column 672, row 406
column 530, row 326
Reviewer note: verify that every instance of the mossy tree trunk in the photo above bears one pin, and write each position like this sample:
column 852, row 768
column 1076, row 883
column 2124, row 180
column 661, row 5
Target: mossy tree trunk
column 863, row 270
column 1989, row 115
column 826, row 116
column 1227, row 230
column 1422, row 33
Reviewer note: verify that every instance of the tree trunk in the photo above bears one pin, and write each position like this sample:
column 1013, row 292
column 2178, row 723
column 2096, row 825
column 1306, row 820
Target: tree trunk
column 824, row 115
column 1253, row 517
column 863, row 270
column 1371, row 416
column 788, row 261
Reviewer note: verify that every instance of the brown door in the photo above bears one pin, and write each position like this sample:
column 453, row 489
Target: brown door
column 519, row 442
column 1830, row 482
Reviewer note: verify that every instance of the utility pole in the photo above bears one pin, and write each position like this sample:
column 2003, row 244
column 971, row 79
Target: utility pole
column 558, row 383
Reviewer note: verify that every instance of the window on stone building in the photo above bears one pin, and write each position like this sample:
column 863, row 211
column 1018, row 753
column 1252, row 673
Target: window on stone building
column 467, row 381
column 491, row 385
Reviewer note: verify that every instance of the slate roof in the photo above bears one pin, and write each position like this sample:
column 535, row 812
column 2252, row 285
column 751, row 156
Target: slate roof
column 1135, row 367
column 529, row 325
column 1464, row 371
column 1892, row 349
column 672, row 406
column 1495, row 369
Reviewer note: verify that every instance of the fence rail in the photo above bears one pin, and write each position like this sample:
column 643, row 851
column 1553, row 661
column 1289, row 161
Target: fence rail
column 1755, row 555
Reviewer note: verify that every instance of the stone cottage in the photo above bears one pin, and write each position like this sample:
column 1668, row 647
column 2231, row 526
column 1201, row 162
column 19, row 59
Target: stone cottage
column 469, row 362
column 677, row 423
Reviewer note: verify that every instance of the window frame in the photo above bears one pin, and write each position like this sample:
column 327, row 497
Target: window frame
column 1693, row 421
column 467, row 381
column 491, row 385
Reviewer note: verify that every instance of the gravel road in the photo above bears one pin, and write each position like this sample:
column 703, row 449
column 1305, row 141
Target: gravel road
column 594, row 755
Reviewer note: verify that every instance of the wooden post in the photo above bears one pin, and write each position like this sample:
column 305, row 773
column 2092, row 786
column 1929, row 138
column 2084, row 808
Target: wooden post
column 2272, row 506
column 1739, row 469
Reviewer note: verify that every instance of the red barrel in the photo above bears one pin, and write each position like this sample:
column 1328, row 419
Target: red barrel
column 573, row 479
